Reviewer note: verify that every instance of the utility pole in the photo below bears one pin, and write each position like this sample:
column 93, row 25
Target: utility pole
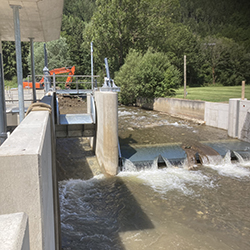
column 185, row 78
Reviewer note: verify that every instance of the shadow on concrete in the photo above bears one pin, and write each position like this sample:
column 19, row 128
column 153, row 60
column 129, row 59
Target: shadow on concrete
column 114, row 209
column 72, row 158
column 245, row 132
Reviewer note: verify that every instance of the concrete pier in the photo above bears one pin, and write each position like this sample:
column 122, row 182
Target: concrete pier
column 107, row 131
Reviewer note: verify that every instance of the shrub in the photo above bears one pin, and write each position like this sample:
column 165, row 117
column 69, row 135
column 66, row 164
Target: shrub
column 150, row 75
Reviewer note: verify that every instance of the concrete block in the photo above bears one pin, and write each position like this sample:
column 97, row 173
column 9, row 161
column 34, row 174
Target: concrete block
column 26, row 177
column 14, row 232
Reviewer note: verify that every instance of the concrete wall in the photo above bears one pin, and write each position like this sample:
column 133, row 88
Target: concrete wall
column 239, row 119
column 234, row 117
column 107, row 131
column 244, row 120
column 26, row 177
column 216, row 114
column 14, row 232
column 178, row 107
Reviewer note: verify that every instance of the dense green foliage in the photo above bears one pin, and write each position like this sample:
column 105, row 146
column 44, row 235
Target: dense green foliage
column 118, row 26
column 214, row 35
column 149, row 75
column 57, row 52
column 9, row 59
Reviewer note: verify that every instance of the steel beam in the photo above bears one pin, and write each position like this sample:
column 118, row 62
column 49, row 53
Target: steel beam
column 19, row 67
column 107, row 71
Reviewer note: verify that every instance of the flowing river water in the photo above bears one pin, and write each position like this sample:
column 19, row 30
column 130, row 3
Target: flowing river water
column 166, row 208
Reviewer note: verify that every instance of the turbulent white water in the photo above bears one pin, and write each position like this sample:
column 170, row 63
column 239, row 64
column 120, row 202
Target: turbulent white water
column 137, row 120
column 227, row 168
column 167, row 179
column 131, row 210
column 181, row 179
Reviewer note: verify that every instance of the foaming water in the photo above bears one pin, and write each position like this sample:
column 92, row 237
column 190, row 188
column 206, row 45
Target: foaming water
column 181, row 179
column 128, row 165
column 167, row 179
column 227, row 168
column 243, row 162
column 168, row 208
column 239, row 157
column 141, row 119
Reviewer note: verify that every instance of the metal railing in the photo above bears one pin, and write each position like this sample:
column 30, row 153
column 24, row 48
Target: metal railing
column 79, row 82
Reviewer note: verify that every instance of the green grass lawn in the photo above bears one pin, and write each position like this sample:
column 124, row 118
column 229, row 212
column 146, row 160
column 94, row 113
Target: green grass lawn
column 214, row 94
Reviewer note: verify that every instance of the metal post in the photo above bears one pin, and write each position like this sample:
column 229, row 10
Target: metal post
column 45, row 56
column 3, row 120
column 18, row 61
column 185, row 77
column 33, row 68
column 77, row 87
column 107, row 71
column 92, row 66
column 46, row 79
column 243, row 90
column 54, row 82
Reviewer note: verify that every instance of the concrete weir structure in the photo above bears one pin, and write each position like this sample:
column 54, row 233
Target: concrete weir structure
column 28, row 169
column 26, row 185
column 26, row 158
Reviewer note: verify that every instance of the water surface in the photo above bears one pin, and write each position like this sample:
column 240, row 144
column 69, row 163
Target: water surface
column 167, row 208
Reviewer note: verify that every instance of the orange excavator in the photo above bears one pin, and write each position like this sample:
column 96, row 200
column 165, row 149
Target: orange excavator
column 40, row 85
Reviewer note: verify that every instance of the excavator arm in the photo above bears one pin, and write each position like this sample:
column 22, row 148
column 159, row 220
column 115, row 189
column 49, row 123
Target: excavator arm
column 63, row 70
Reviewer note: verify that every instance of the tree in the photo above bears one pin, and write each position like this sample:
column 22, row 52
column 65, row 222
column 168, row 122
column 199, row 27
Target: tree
column 57, row 52
column 72, row 29
column 118, row 26
column 76, row 15
column 150, row 75
column 82, row 9
column 9, row 59
column 227, row 61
